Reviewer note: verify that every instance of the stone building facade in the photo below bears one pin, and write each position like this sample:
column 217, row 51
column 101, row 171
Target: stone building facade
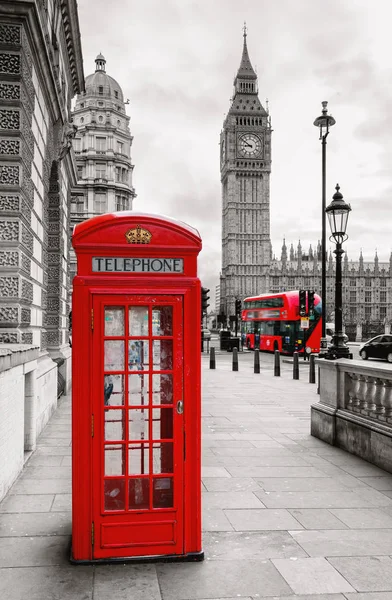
column 40, row 71
column 102, row 147
column 245, row 166
column 366, row 287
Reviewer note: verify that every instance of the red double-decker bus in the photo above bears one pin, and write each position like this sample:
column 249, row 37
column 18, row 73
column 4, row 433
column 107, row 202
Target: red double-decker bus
column 272, row 322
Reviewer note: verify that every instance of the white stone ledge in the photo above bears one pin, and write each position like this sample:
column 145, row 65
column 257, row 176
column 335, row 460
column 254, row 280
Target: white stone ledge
column 13, row 355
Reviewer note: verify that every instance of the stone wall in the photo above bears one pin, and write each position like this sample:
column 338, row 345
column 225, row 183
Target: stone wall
column 21, row 415
column 355, row 409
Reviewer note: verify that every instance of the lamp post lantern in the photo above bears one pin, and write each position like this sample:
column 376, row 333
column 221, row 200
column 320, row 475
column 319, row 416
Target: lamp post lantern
column 338, row 212
column 323, row 122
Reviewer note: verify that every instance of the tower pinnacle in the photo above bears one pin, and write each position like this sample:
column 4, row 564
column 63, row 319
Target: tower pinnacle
column 245, row 70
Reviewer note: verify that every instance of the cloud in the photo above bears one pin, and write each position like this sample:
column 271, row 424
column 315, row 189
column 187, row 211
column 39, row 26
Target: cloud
column 175, row 61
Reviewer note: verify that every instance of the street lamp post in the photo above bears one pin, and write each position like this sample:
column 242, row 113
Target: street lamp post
column 338, row 212
column 324, row 122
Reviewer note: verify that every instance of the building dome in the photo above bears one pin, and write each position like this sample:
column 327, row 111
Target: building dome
column 101, row 84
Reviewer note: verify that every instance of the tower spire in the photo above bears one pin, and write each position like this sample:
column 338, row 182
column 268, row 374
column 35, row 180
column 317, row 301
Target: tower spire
column 246, row 78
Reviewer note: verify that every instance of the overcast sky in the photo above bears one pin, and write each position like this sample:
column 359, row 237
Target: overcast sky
column 176, row 59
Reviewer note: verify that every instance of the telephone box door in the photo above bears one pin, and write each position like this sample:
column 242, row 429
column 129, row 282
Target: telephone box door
column 138, row 428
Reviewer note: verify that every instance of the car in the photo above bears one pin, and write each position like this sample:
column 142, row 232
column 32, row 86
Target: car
column 206, row 334
column 378, row 347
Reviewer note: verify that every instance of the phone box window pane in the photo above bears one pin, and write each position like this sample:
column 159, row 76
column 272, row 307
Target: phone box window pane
column 138, row 424
column 113, row 390
column 138, row 388
column 138, row 355
column 138, row 459
column 162, row 320
column 114, row 494
column 138, row 320
column 163, row 492
column 114, row 460
column 114, row 425
column 162, row 386
column 162, row 424
column 162, row 355
column 162, row 457
column 114, row 355
column 139, row 493
column 114, row 320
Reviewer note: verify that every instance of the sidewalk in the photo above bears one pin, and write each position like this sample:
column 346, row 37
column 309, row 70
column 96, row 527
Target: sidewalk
column 284, row 515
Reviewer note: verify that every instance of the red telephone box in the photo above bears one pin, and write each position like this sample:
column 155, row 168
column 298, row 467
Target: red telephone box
column 136, row 423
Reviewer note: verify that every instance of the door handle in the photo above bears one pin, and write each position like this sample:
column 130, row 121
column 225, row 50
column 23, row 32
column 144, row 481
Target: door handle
column 180, row 407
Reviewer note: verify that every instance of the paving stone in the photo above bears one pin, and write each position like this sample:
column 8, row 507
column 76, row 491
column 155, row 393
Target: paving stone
column 317, row 518
column 217, row 461
column 371, row 573
column 253, row 451
column 338, row 499
column 44, row 583
column 262, row 520
column 267, row 444
column 53, row 450
column 299, row 484
column 248, row 545
column 41, row 486
column 34, row 524
column 367, row 596
column 268, row 461
column 223, row 500
column 34, row 551
column 312, row 576
column 49, row 442
column 39, row 460
column 214, row 472
column 363, row 470
column 232, row 484
column 379, row 483
column 308, row 597
column 126, row 582
column 247, row 435
column 388, row 494
column 56, row 432
column 374, row 497
column 62, row 502
column 215, row 519
column 20, row 503
column 348, row 542
column 220, row 579
column 364, row 518
column 275, row 472
column 58, row 472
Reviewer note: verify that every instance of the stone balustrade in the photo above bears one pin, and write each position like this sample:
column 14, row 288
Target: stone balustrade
column 355, row 408
column 369, row 395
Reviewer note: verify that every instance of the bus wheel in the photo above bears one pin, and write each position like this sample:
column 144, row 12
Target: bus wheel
column 276, row 345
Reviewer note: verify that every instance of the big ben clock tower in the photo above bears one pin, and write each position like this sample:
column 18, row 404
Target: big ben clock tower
column 245, row 165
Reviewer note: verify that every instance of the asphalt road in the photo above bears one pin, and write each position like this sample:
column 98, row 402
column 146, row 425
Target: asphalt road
column 267, row 357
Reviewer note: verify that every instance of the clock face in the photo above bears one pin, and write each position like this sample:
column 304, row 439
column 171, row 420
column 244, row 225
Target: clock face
column 249, row 144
